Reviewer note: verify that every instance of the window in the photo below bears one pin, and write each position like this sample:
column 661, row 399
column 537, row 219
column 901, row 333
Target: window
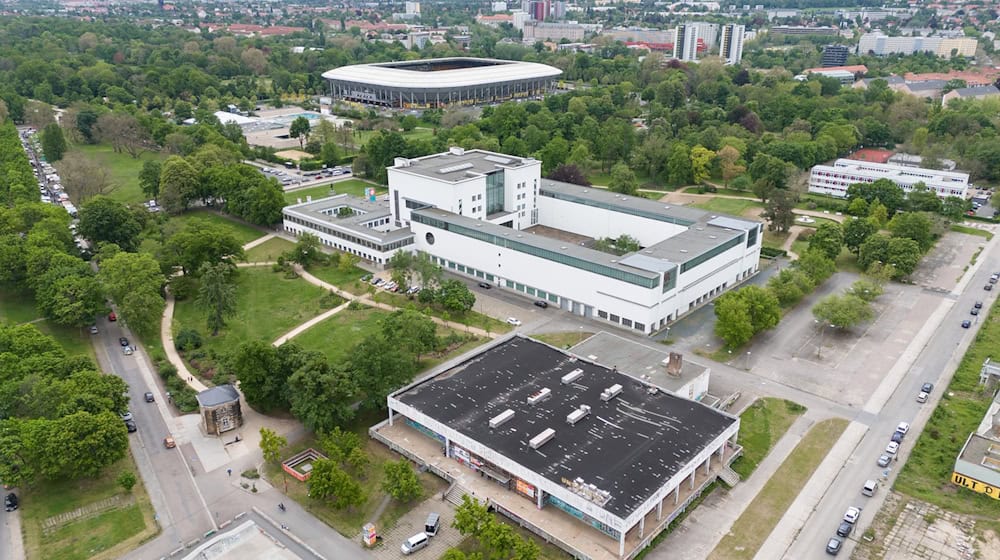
column 602, row 314
column 626, row 322
column 615, row 318
column 494, row 192
column 640, row 327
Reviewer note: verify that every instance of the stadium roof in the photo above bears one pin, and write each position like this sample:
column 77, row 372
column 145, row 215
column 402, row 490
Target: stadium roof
column 628, row 446
column 395, row 74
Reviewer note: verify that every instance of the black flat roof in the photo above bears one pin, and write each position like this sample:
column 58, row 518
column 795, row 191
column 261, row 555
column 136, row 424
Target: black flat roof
column 628, row 446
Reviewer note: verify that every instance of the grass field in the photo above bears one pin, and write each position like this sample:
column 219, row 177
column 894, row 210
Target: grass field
column 971, row 231
column 19, row 308
column 104, row 536
column 343, row 279
column 927, row 473
column 123, row 168
column 242, row 232
column 353, row 187
column 734, row 206
column 563, row 339
column 761, row 426
column 269, row 250
column 762, row 515
column 268, row 305
column 361, row 137
column 470, row 318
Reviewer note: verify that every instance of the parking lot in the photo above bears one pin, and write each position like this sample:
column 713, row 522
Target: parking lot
column 291, row 177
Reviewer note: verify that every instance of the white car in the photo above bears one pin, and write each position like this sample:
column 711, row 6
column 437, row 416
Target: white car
column 513, row 321
column 892, row 448
column 902, row 428
column 852, row 515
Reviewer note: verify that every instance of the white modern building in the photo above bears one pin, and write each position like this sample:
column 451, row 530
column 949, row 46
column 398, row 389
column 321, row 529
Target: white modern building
column 835, row 179
column 731, row 46
column 880, row 44
column 686, row 42
column 491, row 216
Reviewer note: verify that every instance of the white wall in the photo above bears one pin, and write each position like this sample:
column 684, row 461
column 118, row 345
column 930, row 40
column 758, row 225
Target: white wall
column 440, row 194
column 521, row 181
column 597, row 223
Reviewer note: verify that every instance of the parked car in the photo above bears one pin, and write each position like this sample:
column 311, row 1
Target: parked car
column 149, row 396
column 988, row 287
column 10, row 503
column 852, row 514
column 93, row 329
column 415, row 543
column 978, row 305
column 926, row 387
column 542, row 303
column 974, row 311
column 892, row 448
column 366, row 278
column 112, row 316
column 169, row 442
column 126, row 416
column 844, row 529
column 966, row 324
column 127, row 350
column 897, row 437
column 884, row 460
column 123, row 341
column 903, row 428
column 130, row 426
column 485, row 285
column 833, row 545
column 870, row 487
column 513, row 321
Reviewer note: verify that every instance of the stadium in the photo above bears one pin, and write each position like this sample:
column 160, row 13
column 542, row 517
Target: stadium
column 424, row 84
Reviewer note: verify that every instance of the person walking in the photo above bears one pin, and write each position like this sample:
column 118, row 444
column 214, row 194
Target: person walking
column 229, row 472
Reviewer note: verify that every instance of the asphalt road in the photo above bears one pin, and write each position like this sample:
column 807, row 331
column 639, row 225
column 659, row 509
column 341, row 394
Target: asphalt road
column 169, row 479
column 936, row 364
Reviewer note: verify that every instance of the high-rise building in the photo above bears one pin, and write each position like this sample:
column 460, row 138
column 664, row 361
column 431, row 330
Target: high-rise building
column 412, row 7
column 686, row 42
column 731, row 47
column 538, row 10
column 834, row 55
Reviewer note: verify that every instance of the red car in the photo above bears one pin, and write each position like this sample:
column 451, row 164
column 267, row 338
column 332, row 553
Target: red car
column 112, row 316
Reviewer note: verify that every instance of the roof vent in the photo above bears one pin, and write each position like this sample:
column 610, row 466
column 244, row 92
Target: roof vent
column 563, row 247
column 684, row 250
column 540, row 396
column 579, row 414
column 456, row 151
column 501, row 418
column 611, row 392
column 572, row 376
column 542, row 438
column 666, row 208
column 586, row 191
column 713, row 236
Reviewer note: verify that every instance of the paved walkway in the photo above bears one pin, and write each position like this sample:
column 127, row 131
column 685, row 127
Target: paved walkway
column 167, row 340
column 304, row 326
column 258, row 241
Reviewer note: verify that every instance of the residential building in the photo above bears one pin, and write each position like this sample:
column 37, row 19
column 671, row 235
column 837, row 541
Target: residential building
column 835, row 179
column 707, row 32
column 802, row 30
column 640, row 35
column 731, row 45
column 529, row 429
column 499, row 6
column 912, row 160
column 979, row 92
column 548, row 31
column 492, row 217
column 879, row 44
column 494, row 20
column 834, row 55
column 846, row 74
column 686, row 43
column 412, row 7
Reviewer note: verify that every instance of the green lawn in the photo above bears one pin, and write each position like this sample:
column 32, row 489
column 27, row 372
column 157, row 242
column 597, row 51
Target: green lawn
column 343, row 279
column 353, row 187
column 242, row 232
column 927, row 473
column 971, row 231
column 761, row 426
column 269, row 250
column 268, row 305
column 19, row 308
column 107, row 535
column 734, row 206
column 123, row 168
column 762, row 515
column 565, row 339
column 361, row 137
column 471, row 318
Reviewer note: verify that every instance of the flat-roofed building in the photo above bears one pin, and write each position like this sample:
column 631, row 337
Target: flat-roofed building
column 593, row 459
column 835, row 179
column 731, row 44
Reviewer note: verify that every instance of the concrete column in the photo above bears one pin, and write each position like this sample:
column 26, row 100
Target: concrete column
column 642, row 526
column 621, row 544
column 447, row 447
column 708, row 465
column 677, row 494
column 659, row 509
column 692, row 479
column 540, row 494
column 390, row 417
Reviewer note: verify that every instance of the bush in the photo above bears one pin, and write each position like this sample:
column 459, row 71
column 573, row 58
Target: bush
column 167, row 370
column 183, row 287
column 310, row 165
column 187, row 339
column 772, row 252
column 184, row 397
column 251, row 473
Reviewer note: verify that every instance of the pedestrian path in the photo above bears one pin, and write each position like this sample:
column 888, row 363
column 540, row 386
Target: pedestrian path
column 258, row 241
column 89, row 510
column 304, row 326
column 167, row 340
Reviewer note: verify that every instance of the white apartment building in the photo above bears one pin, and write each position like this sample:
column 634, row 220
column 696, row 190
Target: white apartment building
column 731, row 46
column 882, row 45
column 686, row 42
column 834, row 179
column 492, row 217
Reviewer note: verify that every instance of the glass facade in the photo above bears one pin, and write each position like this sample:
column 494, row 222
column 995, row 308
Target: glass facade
column 713, row 252
column 562, row 258
column 494, row 192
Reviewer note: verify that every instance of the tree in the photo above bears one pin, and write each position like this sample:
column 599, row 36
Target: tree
column 72, row 300
column 329, row 482
column 263, row 371
column 623, row 180
column 455, row 297
column 913, row 225
column 401, row 482
column 307, row 250
column 790, row 285
column 53, row 143
column 321, row 395
column 857, row 231
column 471, row 517
column 410, row 330
column 126, row 480
column 83, row 177
column 379, row 368
column 201, row 242
column 330, row 154
column 762, row 306
column 569, row 173
column 868, row 289
column 878, row 213
column 254, row 59
column 903, row 255
column 858, row 207
column 816, row 265
column 732, row 320
column 134, row 281
column 729, row 158
column 701, row 161
column 888, row 193
column 271, row 445
column 923, row 199
column 149, row 178
column 828, row 239
column 769, row 174
column 300, row 129
column 217, row 294
column 779, row 210
column 124, row 132
column 679, row 164
column 178, row 184
column 103, row 220
column 843, row 311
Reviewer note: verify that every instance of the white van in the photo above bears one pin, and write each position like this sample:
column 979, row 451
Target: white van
column 415, row 543
column 870, row 487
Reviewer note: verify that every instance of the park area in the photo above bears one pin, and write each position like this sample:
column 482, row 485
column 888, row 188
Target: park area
column 123, row 170
column 19, row 308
